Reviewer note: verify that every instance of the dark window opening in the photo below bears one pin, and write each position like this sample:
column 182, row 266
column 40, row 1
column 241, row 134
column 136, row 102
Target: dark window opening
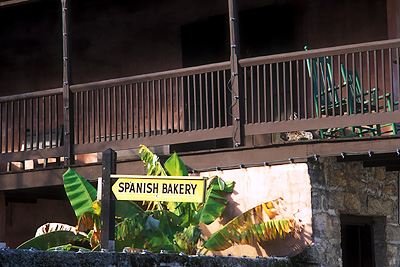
column 357, row 241
column 262, row 31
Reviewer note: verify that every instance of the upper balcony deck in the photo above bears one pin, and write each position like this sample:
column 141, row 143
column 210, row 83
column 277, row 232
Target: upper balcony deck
column 294, row 105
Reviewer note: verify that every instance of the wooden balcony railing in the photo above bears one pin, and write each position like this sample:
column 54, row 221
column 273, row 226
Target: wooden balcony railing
column 355, row 86
column 351, row 85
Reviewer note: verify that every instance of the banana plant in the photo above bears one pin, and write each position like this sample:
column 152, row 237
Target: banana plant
column 191, row 213
column 260, row 223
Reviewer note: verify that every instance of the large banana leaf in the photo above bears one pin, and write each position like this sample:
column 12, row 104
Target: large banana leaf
column 187, row 241
column 151, row 161
column 215, row 202
column 80, row 192
column 127, row 209
column 254, row 225
column 53, row 239
column 175, row 166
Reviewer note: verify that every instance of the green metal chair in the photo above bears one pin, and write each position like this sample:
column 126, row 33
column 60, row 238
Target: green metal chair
column 366, row 101
column 327, row 100
column 325, row 95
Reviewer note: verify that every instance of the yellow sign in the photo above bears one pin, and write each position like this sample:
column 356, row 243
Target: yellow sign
column 160, row 188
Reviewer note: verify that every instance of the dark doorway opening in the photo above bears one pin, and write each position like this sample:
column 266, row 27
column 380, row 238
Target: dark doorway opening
column 357, row 241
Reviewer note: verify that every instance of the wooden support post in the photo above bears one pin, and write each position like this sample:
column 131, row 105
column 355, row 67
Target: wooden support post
column 109, row 166
column 236, row 76
column 2, row 219
column 69, row 157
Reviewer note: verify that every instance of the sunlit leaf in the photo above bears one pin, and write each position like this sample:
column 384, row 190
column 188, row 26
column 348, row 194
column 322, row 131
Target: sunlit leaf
column 51, row 227
column 252, row 226
column 52, row 239
column 175, row 166
column 215, row 202
column 80, row 192
column 151, row 162
column 88, row 221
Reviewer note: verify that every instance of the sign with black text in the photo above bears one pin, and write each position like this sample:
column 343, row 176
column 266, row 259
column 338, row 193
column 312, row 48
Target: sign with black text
column 159, row 188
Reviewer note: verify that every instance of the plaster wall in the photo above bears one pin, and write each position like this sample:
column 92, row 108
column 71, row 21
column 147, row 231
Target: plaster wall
column 254, row 186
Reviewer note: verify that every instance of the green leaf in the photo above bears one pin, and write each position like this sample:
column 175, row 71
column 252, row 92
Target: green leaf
column 68, row 247
column 80, row 192
column 215, row 203
column 175, row 166
column 127, row 209
column 151, row 162
column 52, row 239
column 252, row 226
column 187, row 240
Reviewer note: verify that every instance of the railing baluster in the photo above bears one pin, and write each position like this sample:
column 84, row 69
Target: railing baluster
column 143, row 100
column 154, row 98
column 88, row 113
column 258, row 95
column 77, row 116
column 160, row 106
column 32, row 119
column 110, row 112
column 271, row 80
column 291, row 89
column 93, row 115
column 369, row 83
column 225, row 95
column 319, row 102
column 362, row 81
column 278, row 87
column 137, row 87
column 25, row 141
column 148, row 107
column 195, row 101
column 383, row 82
column 57, row 120
column 355, row 85
column 189, row 103
column 178, row 103
column 37, row 122
column 285, row 116
column 81, row 110
column 390, row 62
column 115, row 109
column 348, row 93
column 12, row 126
column 50, row 122
column 99, row 113
column 165, row 91
column 265, row 92
column 183, row 104
column 214, row 111
column 398, row 75
column 298, row 88
column 376, row 81
column 251, row 103
column 104, row 109
column 207, row 103
column 171, row 98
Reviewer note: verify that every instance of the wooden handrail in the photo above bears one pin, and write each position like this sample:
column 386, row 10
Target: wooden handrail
column 320, row 52
column 151, row 76
column 30, row 95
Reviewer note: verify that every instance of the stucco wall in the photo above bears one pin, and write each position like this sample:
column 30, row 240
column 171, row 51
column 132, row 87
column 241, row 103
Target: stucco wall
column 254, row 186
column 349, row 188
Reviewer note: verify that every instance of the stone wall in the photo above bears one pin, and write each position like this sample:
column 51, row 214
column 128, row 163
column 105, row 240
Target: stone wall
column 21, row 257
column 349, row 188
